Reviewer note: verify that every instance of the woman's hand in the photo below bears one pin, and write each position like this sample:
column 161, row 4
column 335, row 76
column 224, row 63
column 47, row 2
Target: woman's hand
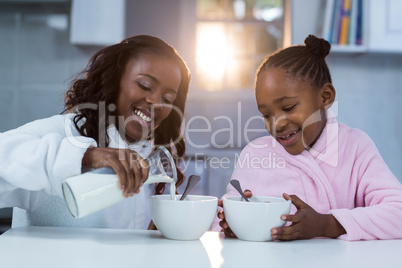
column 131, row 169
column 221, row 215
column 307, row 223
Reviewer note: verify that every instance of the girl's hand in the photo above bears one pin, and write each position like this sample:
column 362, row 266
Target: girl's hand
column 307, row 223
column 221, row 215
column 131, row 169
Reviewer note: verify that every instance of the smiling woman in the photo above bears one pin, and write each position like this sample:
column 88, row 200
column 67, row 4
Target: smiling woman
column 155, row 80
column 141, row 78
column 129, row 100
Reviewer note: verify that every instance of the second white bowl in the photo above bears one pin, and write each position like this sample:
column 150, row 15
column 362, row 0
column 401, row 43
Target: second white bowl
column 253, row 221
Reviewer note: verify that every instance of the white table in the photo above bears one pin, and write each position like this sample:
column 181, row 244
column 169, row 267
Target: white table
column 75, row 248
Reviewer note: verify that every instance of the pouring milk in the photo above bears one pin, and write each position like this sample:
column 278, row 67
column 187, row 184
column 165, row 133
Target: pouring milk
column 95, row 190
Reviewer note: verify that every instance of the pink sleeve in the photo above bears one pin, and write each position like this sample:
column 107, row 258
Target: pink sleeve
column 378, row 201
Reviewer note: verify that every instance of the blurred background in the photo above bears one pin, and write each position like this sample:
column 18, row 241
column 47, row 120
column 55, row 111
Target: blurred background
column 43, row 44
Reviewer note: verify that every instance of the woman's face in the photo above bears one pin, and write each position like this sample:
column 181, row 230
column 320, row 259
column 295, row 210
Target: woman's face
column 148, row 88
column 292, row 109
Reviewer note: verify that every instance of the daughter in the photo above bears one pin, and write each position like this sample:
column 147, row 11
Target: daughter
column 339, row 184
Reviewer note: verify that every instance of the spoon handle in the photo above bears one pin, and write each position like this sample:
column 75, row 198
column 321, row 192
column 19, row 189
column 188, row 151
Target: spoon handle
column 236, row 185
column 192, row 181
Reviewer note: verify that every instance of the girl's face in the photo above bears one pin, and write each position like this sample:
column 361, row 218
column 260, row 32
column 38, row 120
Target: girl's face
column 148, row 88
column 293, row 111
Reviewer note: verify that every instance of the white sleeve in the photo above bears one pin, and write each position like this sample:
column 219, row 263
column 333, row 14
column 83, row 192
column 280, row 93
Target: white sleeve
column 37, row 157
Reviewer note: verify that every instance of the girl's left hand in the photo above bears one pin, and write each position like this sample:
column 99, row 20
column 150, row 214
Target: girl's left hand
column 306, row 223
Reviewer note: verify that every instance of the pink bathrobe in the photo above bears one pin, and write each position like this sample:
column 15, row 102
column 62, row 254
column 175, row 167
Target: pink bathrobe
column 343, row 174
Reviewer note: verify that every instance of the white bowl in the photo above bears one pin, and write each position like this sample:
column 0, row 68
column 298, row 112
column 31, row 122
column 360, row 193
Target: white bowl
column 183, row 220
column 253, row 221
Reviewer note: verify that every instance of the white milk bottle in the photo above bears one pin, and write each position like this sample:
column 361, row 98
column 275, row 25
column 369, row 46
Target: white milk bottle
column 98, row 189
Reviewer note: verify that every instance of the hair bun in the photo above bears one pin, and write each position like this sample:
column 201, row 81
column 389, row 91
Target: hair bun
column 317, row 46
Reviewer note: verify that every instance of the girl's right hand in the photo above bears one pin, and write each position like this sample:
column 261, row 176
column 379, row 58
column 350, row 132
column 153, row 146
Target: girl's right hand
column 221, row 215
column 131, row 168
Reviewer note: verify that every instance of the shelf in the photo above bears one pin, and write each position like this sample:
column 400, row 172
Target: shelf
column 380, row 25
column 348, row 49
column 344, row 25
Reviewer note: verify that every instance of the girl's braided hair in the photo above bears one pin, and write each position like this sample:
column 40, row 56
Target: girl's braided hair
column 306, row 62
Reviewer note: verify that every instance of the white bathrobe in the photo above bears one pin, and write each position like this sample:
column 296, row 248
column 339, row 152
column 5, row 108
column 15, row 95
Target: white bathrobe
column 34, row 161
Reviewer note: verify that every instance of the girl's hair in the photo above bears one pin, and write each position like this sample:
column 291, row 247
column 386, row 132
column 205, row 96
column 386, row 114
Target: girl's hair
column 99, row 83
column 306, row 62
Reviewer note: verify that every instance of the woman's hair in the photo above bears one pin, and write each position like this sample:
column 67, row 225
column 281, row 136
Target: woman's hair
column 306, row 62
column 99, row 83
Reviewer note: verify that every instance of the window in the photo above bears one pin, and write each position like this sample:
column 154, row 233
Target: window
column 233, row 38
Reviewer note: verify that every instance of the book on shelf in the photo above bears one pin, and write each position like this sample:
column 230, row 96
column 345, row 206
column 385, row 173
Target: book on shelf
column 336, row 22
column 359, row 22
column 343, row 22
column 353, row 22
column 328, row 20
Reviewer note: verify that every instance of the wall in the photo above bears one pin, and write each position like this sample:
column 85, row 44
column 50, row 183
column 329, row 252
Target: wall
column 36, row 62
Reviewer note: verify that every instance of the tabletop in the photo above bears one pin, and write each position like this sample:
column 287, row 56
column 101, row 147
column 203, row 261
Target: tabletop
column 90, row 247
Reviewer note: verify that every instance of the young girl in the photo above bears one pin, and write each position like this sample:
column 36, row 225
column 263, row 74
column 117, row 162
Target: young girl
column 340, row 185
column 130, row 98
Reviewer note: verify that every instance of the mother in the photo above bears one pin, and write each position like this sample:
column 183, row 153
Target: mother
column 129, row 99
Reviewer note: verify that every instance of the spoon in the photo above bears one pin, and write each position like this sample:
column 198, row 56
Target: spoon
column 236, row 185
column 192, row 181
